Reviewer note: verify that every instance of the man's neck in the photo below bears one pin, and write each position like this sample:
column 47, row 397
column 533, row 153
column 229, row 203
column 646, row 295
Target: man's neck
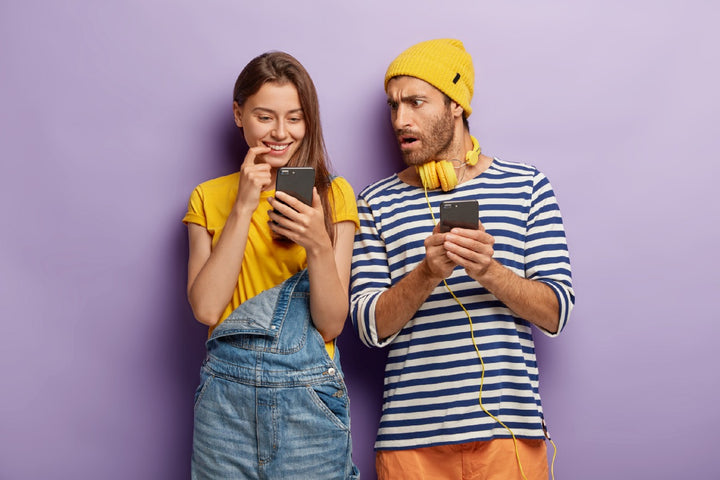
column 458, row 151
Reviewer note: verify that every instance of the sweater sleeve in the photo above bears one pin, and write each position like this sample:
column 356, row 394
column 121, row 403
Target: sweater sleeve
column 546, row 252
column 369, row 278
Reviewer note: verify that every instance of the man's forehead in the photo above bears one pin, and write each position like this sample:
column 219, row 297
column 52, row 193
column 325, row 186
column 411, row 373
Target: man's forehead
column 405, row 85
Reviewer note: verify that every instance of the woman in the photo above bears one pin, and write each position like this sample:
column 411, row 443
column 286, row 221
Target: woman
column 273, row 288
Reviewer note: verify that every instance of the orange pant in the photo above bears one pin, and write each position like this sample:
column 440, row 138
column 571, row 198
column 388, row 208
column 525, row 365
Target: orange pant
column 491, row 460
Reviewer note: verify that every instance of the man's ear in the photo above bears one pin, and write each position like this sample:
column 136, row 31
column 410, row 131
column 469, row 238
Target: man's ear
column 237, row 112
column 456, row 109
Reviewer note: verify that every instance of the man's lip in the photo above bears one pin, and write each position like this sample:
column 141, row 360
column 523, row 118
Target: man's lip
column 406, row 140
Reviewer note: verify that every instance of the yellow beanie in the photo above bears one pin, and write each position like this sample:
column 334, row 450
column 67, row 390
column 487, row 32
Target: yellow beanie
column 443, row 63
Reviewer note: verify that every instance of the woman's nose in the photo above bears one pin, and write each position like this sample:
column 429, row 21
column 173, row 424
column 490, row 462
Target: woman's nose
column 280, row 131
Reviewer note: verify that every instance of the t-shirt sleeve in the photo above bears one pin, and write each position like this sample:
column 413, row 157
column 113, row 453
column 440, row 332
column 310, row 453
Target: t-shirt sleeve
column 196, row 210
column 345, row 205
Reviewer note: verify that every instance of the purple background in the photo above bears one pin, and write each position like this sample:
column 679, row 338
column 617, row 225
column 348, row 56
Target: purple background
column 111, row 112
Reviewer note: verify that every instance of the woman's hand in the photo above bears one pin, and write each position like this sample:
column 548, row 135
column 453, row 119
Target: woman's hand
column 255, row 176
column 328, row 265
column 303, row 224
column 213, row 272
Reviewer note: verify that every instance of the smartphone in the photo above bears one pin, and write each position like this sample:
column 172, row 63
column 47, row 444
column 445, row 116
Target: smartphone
column 296, row 181
column 458, row 213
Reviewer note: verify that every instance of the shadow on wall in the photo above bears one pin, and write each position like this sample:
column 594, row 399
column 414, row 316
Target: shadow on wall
column 364, row 371
column 232, row 145
column 380, row 155
column 182, row 349
column 183, row 346
column 363, row 366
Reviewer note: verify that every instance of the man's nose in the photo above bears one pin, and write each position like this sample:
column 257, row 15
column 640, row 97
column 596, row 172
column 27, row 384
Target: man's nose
column 401, row 117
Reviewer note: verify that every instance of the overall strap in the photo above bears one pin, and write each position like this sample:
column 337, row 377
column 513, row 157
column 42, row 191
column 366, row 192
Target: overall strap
column 264, row 313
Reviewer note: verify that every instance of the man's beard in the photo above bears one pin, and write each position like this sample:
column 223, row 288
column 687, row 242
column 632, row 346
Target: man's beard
column 435, row 144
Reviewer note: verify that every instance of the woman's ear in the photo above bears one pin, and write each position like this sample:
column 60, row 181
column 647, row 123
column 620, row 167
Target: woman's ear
column 237, row 112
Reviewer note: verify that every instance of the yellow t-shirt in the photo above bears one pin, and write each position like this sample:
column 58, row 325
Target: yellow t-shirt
column 265, row 263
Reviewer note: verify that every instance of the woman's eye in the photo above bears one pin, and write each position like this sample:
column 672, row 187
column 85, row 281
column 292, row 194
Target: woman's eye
column 264, row 118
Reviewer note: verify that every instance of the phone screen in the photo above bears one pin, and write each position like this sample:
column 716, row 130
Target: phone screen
column 296, row 181
column 458, row 213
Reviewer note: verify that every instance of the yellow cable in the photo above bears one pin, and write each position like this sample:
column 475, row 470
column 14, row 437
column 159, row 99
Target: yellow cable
column 482, row 381
column 482, row 372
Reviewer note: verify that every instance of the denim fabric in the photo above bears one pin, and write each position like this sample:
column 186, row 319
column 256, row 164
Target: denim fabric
column 271, row 403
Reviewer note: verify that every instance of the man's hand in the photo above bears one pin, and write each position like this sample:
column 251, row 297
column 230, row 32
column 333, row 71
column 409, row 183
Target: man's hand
column 437, row 261
column 532, row 300
column 470, row 249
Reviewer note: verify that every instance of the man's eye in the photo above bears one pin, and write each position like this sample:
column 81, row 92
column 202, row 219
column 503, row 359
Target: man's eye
column 417, row 102
column 392, row 105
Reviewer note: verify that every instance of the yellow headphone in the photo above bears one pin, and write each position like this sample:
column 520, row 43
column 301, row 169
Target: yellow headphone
column 442, row 173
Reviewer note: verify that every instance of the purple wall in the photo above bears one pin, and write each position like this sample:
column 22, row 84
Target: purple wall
column 111, row 112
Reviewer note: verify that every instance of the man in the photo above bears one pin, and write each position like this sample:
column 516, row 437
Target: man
column 461, row 395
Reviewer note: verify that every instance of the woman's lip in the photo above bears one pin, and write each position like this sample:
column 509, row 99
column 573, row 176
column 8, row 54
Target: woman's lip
column 277, row 147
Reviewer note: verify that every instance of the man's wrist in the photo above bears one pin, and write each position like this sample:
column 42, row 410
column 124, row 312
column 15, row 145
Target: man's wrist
column 491, row 275
column 426, row 273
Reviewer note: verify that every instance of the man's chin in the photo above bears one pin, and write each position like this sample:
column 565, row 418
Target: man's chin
column 413, row 159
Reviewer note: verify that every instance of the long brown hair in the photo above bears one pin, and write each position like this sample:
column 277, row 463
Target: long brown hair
column 281, row 68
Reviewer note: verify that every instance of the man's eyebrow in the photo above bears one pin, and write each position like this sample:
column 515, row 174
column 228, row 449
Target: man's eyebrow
column 412, row 98
column 407, row 98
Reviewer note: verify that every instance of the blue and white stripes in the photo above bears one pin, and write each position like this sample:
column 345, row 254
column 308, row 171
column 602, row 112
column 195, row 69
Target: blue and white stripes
column 432, row 375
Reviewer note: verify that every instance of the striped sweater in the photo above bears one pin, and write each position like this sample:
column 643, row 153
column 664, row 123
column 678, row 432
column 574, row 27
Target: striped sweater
column 433, row 373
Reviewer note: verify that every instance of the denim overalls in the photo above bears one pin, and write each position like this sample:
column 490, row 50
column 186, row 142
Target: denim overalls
column 271, row 403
